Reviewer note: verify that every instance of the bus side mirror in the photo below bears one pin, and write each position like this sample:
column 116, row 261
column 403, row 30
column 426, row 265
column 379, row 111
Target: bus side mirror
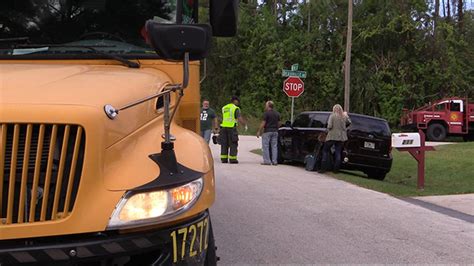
column 223, row 17
column 172, row 41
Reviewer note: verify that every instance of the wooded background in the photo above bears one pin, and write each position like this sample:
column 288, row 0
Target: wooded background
column 405, row 53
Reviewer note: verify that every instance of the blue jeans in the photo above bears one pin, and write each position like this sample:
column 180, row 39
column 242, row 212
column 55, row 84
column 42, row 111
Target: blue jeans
column 206, row 134
column 325, row 164
column 270, row 141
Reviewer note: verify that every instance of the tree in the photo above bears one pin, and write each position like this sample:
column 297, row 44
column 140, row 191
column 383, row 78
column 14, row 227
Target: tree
column 398, row 58
column 347, row 62
column 449, row 10
column 460, row 14
column 436, row 12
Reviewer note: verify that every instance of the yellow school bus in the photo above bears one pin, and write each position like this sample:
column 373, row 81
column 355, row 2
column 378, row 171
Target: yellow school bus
column 100, row 163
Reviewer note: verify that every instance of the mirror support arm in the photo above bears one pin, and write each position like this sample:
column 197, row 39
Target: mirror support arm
column 167, row 145
column 184, row 84
column 112, row 112
column 204, row 76
column 186, row 70
column 167, row 154
column 166, row 100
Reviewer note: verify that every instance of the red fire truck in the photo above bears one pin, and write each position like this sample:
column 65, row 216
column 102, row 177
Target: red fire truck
column 446, row 117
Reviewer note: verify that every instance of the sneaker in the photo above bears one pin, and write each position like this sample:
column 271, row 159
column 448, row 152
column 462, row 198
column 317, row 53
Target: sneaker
column 274, row 164
column 265, row 163
column 224, row 161
column 233, row 161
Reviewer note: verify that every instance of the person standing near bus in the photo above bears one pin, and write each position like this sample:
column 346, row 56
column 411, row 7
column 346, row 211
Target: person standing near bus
column 229, row 136
column 208, row 121
column 269, row 125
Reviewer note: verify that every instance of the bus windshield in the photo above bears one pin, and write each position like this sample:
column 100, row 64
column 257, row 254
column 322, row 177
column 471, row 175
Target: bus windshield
column 72, row 27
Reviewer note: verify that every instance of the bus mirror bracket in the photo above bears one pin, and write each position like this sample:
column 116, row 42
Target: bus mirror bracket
column 173, row 42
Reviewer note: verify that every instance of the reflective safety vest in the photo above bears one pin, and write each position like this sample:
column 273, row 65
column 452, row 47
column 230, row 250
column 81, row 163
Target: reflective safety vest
column 228, row 115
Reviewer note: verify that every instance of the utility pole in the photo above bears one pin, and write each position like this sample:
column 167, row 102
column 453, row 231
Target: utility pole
column 309, row 15
column 347, row 67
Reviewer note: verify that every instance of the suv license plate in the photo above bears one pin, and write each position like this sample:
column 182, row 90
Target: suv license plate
column 369, row 145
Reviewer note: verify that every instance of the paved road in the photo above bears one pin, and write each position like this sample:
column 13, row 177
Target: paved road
column 284, row 214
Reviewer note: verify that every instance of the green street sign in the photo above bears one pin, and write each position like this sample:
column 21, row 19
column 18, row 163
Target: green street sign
column 295, row 67
column 290, row 73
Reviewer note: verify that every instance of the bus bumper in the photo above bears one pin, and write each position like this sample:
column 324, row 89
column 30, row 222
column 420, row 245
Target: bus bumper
column 184, row 244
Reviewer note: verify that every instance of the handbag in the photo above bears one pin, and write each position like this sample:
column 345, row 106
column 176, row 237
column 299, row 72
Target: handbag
column 310, row 162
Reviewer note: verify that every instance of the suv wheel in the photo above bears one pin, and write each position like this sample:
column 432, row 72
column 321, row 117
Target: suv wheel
column 280, row 159
column 376, row 174
column 436, row 132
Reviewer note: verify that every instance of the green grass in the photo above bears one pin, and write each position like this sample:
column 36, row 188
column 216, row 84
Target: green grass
column 449, row 170
column 257, row 151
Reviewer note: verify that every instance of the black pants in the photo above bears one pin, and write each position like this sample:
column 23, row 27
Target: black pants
column 229, row 140
column 326, row 162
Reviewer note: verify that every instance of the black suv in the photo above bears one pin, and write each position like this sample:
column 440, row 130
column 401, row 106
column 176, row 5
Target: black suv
column 368, row 148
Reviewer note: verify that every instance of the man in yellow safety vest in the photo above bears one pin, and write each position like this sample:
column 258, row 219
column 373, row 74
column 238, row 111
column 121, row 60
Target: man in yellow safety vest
column 229, row 137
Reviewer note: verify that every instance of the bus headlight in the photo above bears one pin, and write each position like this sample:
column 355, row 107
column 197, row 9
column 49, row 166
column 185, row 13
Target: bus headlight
column 151, row 207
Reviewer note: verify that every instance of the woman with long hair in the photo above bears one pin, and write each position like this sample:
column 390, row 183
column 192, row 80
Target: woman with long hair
column 337, row 135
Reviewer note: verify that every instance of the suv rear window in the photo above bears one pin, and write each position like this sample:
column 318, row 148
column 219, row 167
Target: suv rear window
column 369, row 125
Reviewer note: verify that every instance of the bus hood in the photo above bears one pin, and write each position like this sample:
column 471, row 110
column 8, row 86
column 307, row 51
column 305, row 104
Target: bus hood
column 87, row 86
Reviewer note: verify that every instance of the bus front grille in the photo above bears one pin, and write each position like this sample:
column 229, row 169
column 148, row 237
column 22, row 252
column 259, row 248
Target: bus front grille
column 40, row 171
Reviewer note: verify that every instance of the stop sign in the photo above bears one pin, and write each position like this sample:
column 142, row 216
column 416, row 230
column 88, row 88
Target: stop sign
column 293, row 86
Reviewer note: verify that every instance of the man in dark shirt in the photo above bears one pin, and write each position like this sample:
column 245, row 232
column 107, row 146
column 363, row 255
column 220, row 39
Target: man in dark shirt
column 269, row 125
column 208, row 121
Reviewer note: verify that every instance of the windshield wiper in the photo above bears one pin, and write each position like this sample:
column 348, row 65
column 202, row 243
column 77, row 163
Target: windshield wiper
column 7, row 43
column 124, row 61
column 17, row 39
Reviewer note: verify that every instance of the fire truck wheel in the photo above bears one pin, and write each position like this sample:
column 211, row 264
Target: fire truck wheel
column 436, row 132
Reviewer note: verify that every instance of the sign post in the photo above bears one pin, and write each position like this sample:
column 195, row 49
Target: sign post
column 292, row 109
column 294, row 72
column 414, row 143
column 293, row 86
